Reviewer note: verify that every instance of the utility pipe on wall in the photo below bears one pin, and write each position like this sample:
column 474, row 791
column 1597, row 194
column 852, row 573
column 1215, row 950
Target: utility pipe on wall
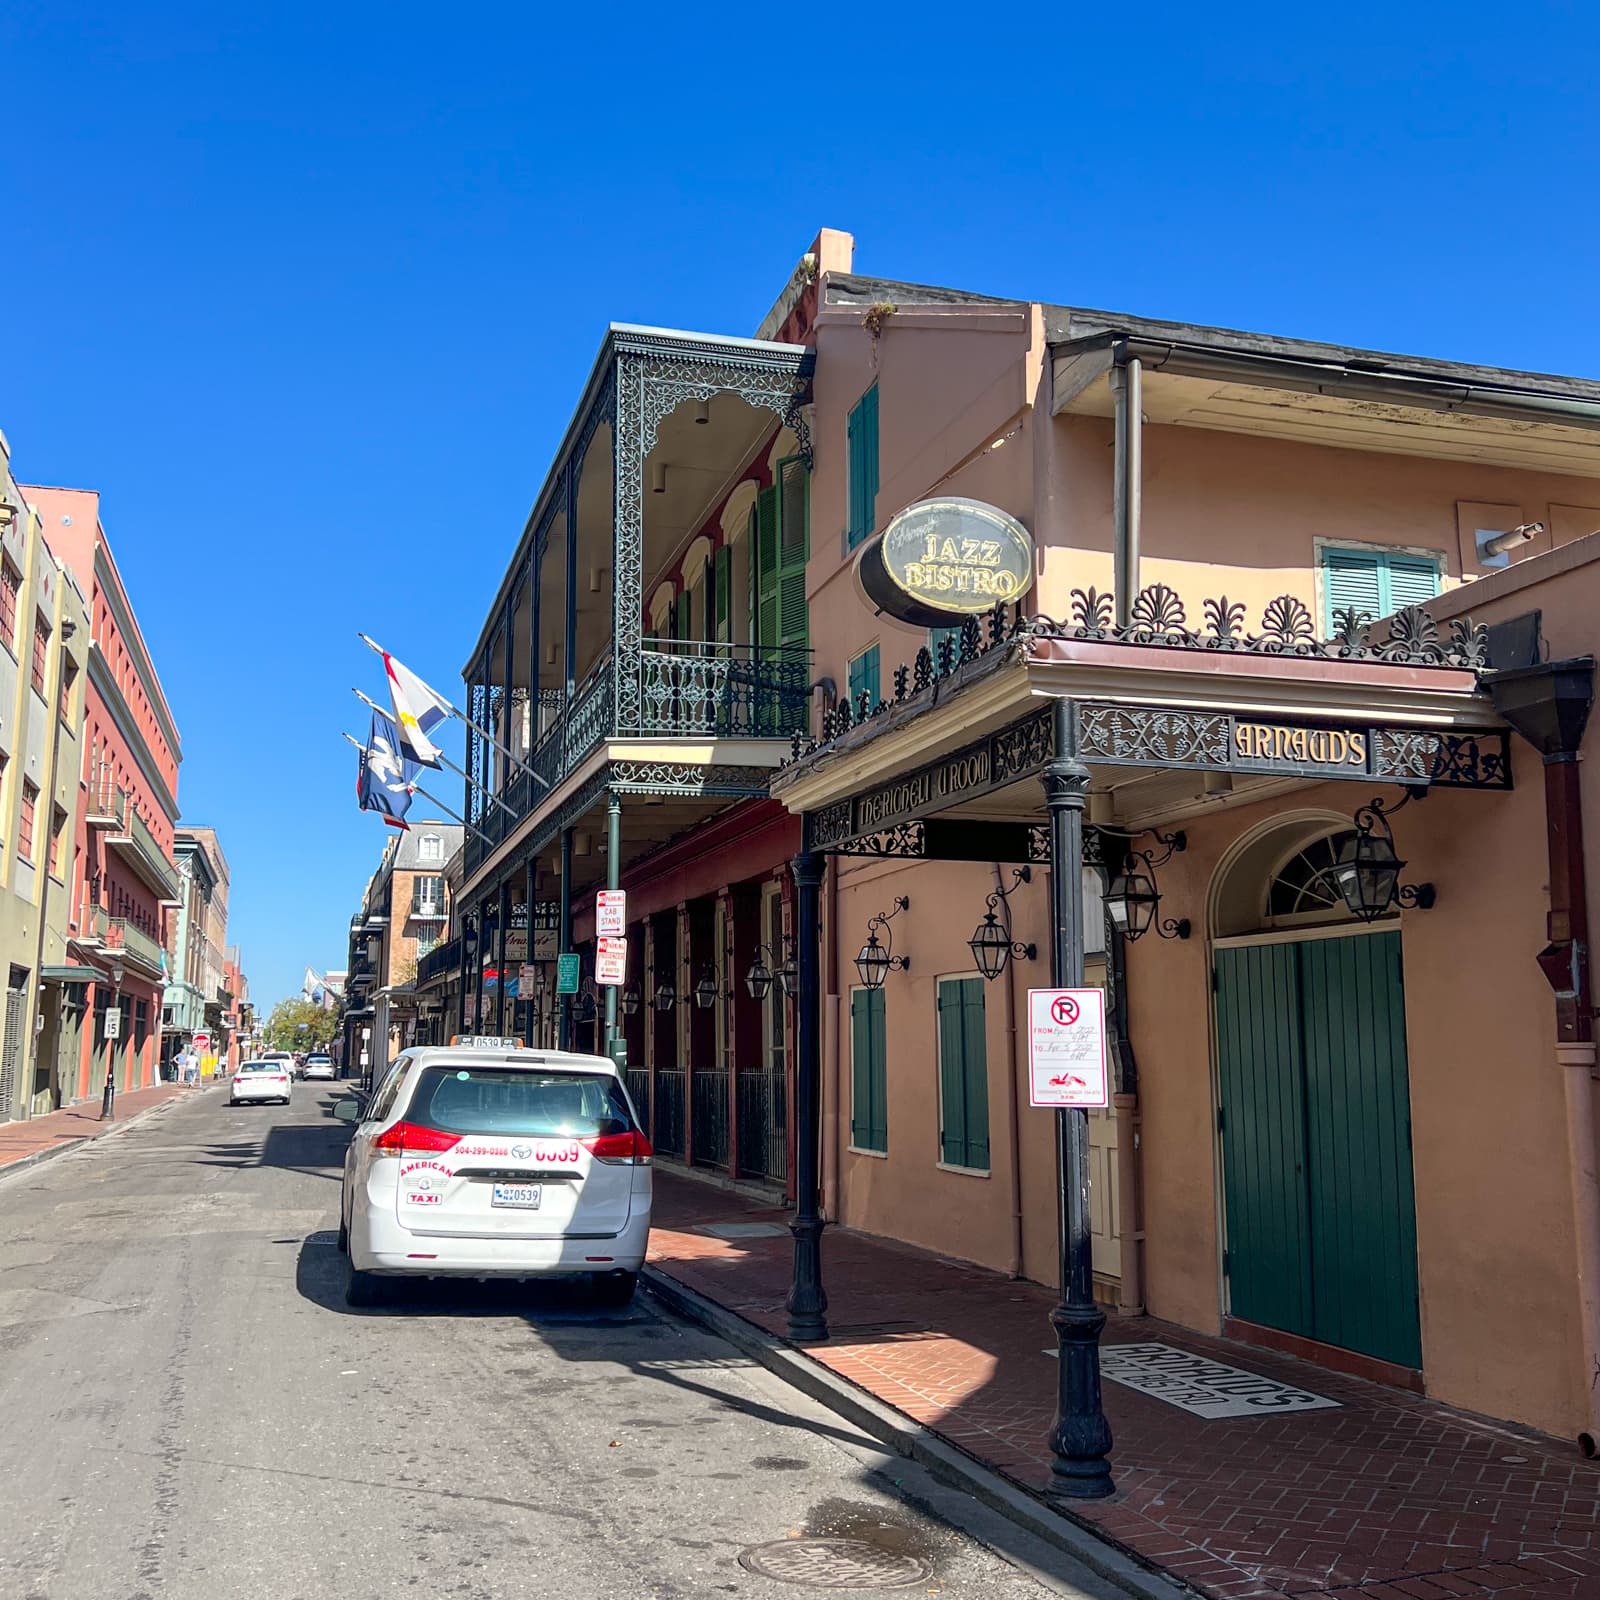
column 1127, row 388
column 1548, row 704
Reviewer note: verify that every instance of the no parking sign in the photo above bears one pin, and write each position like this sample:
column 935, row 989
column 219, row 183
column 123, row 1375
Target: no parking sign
column 1067, row 1048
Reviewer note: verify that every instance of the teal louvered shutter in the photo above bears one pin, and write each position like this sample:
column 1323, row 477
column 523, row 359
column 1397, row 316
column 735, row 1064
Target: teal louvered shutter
column 975, row 1074
column 864, row 675
column 936, row 639
column 863, row 439
column 860, row 1069
column 1352, row 581
column 767, row 568
column 1411, row 581
column 963, row 1075
column 952, row 1089
column 869, row 1119
column 793, row 546
column 722, row 585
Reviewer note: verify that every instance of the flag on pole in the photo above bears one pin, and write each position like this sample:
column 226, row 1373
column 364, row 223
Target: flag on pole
column 384, row 783
column 417, row 711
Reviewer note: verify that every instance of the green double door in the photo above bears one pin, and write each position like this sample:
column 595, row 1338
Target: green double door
column 1316, row 1142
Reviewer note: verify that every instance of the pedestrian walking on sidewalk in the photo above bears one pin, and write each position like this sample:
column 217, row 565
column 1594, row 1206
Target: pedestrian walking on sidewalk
column 191, row 1068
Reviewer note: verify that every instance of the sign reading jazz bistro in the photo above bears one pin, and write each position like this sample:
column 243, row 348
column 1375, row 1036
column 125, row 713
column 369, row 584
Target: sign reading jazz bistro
column 940, row 561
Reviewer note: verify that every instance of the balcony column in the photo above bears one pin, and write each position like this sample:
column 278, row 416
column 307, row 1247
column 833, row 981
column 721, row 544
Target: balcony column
column 532, row 885
column 500, row 959
column 506, row 703
column 536, row 578
column 570, row 493
column 683, row 1022
column 615, row 1047
column 631, row 440
column 564, row 1040
column 461, row 992
column 722, row 938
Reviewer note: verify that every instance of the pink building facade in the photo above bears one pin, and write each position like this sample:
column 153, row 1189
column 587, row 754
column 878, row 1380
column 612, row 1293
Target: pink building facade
column 123, row 883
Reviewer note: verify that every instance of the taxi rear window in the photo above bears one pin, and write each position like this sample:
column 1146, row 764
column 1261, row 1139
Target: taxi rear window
column 572, row 1105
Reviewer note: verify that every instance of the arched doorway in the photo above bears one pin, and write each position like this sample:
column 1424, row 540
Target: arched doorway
column 1314, row 1109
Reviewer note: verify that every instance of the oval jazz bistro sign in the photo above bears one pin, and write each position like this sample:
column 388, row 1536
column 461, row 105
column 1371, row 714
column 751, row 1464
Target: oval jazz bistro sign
column 939, row 561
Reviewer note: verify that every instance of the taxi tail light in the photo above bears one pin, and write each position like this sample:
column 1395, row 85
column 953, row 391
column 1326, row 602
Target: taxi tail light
column 409, row 1136
column 621, row 1149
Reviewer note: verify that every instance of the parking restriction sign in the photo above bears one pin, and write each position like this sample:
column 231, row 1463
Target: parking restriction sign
column 611, row 961
column 611, row 913
column 1067, row 1048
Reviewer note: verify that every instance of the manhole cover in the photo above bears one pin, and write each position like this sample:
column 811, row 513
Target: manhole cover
column 833, row 1564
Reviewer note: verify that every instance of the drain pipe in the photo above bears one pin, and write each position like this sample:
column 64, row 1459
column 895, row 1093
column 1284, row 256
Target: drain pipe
column 1013, row 1097
column 1548, row 704
column 1127, row 390
column 1130, row 1155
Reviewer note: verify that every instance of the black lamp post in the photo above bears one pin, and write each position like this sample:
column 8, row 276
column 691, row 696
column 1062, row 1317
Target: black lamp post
column 992, row 946
column 874, row 961
column 1367, row 872
column 1133, row 899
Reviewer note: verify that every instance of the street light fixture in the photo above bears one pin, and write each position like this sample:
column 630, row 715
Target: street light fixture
column 874, row 961
column 1133, row 899
column 992, row 946
column 705, row 991
column 1367, row 872
column 666, row 995
column 758, row 980
column 629, row 999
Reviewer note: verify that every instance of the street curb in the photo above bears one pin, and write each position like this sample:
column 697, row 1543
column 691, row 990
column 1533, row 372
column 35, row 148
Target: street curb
column 23, row 1163
column 918, row 1443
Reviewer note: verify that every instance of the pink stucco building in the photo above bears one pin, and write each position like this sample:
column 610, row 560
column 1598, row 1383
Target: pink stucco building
column 123, row 884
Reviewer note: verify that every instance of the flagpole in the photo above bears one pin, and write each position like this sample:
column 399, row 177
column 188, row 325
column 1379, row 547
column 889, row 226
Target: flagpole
column 460, row 715
column 418, row 789
column 488, row 794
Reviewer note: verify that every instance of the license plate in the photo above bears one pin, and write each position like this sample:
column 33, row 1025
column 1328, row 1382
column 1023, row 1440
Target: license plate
column 526, row 1195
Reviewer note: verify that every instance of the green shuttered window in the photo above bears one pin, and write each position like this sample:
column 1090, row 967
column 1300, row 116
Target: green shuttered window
column 869, row 1098
column 936, row 642
column 963, row 1075
column 1374, row 582
column 782, row 544
column 863, row 441
column 864, row 675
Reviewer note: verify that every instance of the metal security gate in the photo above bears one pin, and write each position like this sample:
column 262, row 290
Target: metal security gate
column 1316, row 1142
column 11, row 1044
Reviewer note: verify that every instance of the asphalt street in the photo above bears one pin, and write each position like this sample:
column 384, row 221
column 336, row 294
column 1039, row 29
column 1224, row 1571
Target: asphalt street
column 190, row 1412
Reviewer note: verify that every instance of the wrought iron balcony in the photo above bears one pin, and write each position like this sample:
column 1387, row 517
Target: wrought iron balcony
column 137, row 847
column 118, row 936
column 107, row 806
column 685, row 689
column 439, row 962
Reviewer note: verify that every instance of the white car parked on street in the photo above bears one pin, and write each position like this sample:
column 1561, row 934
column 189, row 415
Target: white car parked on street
column 256, row 1081
column 318, row 1067
column 496, row 1162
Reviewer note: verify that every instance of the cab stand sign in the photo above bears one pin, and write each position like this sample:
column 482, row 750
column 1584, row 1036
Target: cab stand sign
column 940, row 561
column 1067, row 1048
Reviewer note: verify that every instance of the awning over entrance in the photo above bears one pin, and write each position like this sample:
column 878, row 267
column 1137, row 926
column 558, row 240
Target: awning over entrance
column 1168, row 720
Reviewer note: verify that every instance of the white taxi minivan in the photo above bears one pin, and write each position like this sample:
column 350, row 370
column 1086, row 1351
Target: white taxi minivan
column 482, row 1159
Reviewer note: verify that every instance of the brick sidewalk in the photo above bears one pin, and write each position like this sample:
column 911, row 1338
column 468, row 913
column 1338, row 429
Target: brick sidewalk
column 61, row 1129
column 1386, row 1497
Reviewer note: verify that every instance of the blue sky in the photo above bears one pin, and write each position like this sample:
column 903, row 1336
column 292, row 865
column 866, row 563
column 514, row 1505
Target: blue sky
column 308, row 291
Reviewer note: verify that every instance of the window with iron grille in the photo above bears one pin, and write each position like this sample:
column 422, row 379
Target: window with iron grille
column 41, row 651
column 30, row 802
column 10, row 587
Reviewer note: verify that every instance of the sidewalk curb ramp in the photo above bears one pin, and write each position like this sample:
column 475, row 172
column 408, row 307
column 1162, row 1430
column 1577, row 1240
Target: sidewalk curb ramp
column 912, row 1440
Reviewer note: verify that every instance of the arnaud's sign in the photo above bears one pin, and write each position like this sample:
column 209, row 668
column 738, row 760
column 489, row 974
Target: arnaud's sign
column 942, row 560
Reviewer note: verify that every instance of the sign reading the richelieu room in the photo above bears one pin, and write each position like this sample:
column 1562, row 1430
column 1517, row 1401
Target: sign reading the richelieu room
column 940, row 561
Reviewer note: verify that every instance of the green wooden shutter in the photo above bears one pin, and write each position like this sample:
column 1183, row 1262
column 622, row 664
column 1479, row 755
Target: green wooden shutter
column 869, row 1118
column 1263, row 1134
column 936, row 639
column 793, row 547
column 863, row 440
column 963, row 1075
column 1411, row 581
column 723, row 584
column 767, row 568
column 864, row 675
column 1352, row 580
